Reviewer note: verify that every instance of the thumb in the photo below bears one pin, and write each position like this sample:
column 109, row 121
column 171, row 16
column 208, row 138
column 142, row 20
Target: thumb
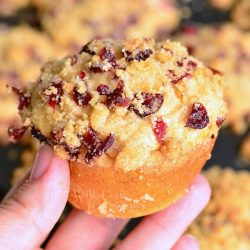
column 29, row 212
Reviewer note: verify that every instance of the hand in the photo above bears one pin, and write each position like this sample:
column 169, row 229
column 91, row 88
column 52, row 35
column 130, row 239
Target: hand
column 31, row 209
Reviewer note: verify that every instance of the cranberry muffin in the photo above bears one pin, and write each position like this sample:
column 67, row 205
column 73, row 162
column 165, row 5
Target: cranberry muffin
column 20, row 62
column 136, row 119
column 226, row 49
column 85, row 20
column 241, row 14
column 225, row 222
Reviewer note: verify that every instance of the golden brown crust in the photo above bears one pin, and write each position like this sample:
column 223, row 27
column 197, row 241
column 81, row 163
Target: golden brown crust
column 110, row 192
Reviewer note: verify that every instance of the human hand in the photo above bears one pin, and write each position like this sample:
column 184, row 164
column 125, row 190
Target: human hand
column 31, row 209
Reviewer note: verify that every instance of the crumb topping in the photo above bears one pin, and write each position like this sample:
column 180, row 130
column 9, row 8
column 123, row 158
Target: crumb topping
column 109, row 102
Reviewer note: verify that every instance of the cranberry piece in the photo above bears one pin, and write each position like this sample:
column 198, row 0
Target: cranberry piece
column 191, row 65
column 86, row 49
column 82, row 75
column 54, row 98
column 190, row 29
column 150, row 105
column 23, row 98
column 118, row 97
column 198, row 118
column 81, row 99
column 212, row 136
column 72, row 152
column 38, row 135
column 108, row 53
column 97, row 68
column 140, row 56
column 90, row 138
column 74, row 60
column 96, row 147
column 219, row 121
column 103, row 89
column 159, row 129
column 175, row 78
column 108, row 142
column 15, row 134
column 56, row 136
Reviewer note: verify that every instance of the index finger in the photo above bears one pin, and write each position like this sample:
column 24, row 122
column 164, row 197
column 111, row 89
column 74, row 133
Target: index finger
column 163, row 229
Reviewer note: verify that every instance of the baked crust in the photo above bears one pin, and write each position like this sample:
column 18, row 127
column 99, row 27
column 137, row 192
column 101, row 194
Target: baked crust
column 110, row 192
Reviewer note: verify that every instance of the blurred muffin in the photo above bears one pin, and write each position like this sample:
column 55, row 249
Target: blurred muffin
column 241, row 14
column 225, row 222
column 245, row 150
column 226, row 49
column 22, row 52
column 8, row 7
column 73, row 24
column 222, row 4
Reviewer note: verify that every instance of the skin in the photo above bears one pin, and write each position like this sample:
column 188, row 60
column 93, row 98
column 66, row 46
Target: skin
column 31, row 209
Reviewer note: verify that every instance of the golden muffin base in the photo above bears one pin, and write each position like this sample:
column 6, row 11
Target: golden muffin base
column 110, row 192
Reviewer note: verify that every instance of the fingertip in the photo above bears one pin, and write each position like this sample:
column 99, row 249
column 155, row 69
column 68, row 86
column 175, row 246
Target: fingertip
column 201, row 185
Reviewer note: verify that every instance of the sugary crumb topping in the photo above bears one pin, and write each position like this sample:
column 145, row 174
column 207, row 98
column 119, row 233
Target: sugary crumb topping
column 129, row 103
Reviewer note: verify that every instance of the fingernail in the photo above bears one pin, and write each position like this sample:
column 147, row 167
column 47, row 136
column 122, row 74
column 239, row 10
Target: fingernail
column 42, row 162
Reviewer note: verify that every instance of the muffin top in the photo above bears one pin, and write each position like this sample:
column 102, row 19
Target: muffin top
column 225, row 48
column 128, row 103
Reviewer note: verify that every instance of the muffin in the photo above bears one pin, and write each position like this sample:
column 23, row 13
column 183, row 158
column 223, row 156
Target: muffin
column 85, row 20
column 241, row 14
column 225, row 222
column 20, row 62
column 136, row 119
column 226, row 49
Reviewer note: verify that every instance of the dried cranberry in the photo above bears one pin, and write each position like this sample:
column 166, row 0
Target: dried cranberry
column 72, row 152
column 212, row 136
column 90, row 138
column 108, row 53
column 118, row 97
column 175, row 78
column 74, row 60
column 23, row 98
column 15, row 134
column 86, row 49
column 190, row 29
column 96, row 147
column 140, row 56
column 219, row 121
column 38, row 135
column 160, row 130
column 81, row 99
column 52, row 97
column 150, row 105
column 97, row 68
column 82, row 74
column 56, row 136
column 108, row 142
column 103, row 89
column 198, row 118
column 191, row 65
